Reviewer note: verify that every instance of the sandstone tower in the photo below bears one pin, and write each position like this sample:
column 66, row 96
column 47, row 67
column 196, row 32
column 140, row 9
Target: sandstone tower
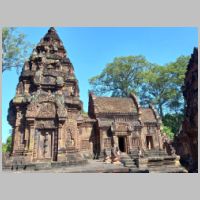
column 186, row 142
column 44, row 111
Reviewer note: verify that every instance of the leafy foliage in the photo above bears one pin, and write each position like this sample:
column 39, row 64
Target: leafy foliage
column 15, row 49
column 161, row 86
column 8, row 146
column 168, row 132
column 120, row 77
column 173, row 121
column 4, row 147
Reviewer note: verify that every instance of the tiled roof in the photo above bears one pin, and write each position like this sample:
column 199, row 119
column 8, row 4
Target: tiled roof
column 85, row 118
column 114, row 105
column 148, row 115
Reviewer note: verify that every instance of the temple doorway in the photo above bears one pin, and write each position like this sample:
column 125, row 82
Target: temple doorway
column 45, row 144
column 149, row 142
column 122, row 144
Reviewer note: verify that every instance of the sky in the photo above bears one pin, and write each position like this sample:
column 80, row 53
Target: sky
column 91, row 48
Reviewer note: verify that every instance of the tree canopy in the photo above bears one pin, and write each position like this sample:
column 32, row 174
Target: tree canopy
column 161, row 85
column 120, row 77
column 15, row 49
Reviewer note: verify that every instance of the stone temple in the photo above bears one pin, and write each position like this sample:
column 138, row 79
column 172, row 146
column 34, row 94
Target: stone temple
column 50, row 129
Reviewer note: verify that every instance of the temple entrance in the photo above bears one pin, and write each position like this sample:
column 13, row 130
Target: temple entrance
column 149, row 142
column 46, row 144
column 122, row 144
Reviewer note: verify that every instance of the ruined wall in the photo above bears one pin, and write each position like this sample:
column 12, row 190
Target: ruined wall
column 186, row 143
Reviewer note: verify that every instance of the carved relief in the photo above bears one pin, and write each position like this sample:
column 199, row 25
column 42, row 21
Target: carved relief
column 47, row 110
column 48, row 80
column 45, row 144
column 70, row 140
column 41, row 124
column 38, row 76
column 19, row 117
column 31, row 110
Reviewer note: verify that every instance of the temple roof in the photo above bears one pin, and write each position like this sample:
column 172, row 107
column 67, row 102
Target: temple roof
column 114, row 105
column 51, row 35
column 148, row 115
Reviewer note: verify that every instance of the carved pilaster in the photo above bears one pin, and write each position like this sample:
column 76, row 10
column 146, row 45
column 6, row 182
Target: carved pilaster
column 31, row 139
column 129, row 138
column 60, row 136
column 59, row 144
column 26, row 138
column 115, row 138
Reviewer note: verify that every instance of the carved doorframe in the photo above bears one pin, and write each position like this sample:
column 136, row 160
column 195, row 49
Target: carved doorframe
column 54, row 142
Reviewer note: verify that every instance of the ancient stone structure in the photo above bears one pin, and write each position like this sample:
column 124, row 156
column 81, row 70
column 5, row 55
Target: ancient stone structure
column 50, row 130
column 186, row 142
column 122, row 123
column 46, row 112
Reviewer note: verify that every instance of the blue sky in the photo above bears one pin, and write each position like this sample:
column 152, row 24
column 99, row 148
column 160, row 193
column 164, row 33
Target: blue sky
column 90, row 49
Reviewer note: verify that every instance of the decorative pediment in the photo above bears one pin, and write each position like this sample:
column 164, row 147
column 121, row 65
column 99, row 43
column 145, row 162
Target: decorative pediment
column 41, row 110
column 46, row 110
column 120, row 128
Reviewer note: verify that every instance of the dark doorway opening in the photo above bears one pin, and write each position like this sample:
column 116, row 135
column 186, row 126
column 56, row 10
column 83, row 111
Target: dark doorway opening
column 122, row 144
column 149, row 142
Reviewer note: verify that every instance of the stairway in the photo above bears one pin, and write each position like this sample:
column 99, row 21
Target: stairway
column 127, row 161
column 156, row 160
column 155, row 153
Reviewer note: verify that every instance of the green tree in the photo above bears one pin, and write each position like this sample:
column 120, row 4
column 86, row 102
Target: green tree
column 162, row 86
column 155, row 87
column 120, row 77
column 168, row 131
column 4, row 147
column 173, row 121
column 15, row 49
column 177, row 72
column 7, row 147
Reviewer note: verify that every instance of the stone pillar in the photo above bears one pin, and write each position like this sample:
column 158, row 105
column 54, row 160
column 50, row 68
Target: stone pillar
column 159, row 138
column 116, row 142
column 31, row 138
column 26, row 138
column 53, row 145
column 15, row 140
column 17, row 133
column 36, row 140
column 129, row 143
column 59, row 144
column 79, row 137
column 102, row 139
column 60, row 136
column 101, row 143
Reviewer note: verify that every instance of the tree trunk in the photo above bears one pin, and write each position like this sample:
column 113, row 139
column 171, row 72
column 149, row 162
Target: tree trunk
column 160, row 110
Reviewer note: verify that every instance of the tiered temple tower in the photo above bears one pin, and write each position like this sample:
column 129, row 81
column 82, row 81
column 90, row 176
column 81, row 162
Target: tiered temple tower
column 44, row 111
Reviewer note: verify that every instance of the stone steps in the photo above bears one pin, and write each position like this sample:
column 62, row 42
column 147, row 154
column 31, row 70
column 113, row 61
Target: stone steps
column 155, row 152
column 168, row 169
column 164, row 164
column 127, row 161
